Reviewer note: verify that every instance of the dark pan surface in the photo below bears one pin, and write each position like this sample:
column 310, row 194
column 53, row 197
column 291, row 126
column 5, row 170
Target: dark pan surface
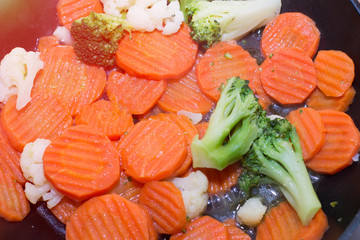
column 339, row 24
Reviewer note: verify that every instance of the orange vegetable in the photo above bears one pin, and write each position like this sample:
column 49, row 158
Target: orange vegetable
column 202, row 127
column 138, row 95
column 128, row 188
column 310, row 129
column 282, row 223
column 288, row 76
column 153, row 55
column 108, row 117
column 64, row 209
column 235, row 232
column 259, row 91
column 221, row 62
column 341, row 144
column 335, row 72
column 81, row 163
column 319, row 101
column 291, row 29
column 70, row 10
column 152, row 150
column 165, row 205
column 110, row 217
column 47, row 42
column 43, row 117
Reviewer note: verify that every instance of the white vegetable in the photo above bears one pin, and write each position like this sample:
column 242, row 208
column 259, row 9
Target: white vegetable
column 274, row 116
column 194, row 192
column 17, row 73
column 63, row 35
column 117, row 7
column 251, row 212
column 355, row 158
column 194, row 117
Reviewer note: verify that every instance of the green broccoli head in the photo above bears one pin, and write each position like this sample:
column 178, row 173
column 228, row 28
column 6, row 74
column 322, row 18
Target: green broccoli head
column 96, row 38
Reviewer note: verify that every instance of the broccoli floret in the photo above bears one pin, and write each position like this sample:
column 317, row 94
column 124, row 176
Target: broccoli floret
column 233, row 126
column 96, row 38
column 276, row 156
column 212, row 21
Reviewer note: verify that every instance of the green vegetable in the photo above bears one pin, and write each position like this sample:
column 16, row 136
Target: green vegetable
column 96, row 38
column 276, row 156
column 233, row 126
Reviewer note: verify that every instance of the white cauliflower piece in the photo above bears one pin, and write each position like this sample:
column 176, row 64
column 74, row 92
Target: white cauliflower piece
column 194, row 192
column 117, row 7
column 63, row 35
column 31, row 163
column 274, row 116
column 194, row 117
column 17, row 73
column 251, row 212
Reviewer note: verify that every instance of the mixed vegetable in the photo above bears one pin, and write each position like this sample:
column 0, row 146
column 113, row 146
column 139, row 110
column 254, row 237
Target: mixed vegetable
column 133, row 115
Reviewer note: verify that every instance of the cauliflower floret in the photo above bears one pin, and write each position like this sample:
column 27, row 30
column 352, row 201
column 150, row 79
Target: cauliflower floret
column 251, row 212
column 117, row 7
column 17, row 73
column 63, row 35
column 194, row 117
column 194, row 192
column 31, row 163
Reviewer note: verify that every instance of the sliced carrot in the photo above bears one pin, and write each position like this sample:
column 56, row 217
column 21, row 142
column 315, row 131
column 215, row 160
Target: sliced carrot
column 235, row 232
column 138, row 95
column 13, row 203
column 152, row 112
column 63, row 210
column 341, row 144
column 70, row 80
column 108, row 117
column 291, row 29
column 319, row 101
column 288, row 76
column 185, row 94
column 128, row 188
column 81, row 163
column 222, row 181
column 256, row 86
column 165, row 205
column 310, row 129
column 335, row 72
column 10, row 159
column 152, row 150
column 47, row 42
column 43, row 117
column 202, row 127
column 109, row 216
column 70, row 10
column 153, row 55
column 221, row 62
column 282, row 223
column 204, row 228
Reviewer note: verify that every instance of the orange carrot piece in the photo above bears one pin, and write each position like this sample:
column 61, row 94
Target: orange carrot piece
column 221, row 62
column 138, row 95
column 63, row 210
column 108, row 117
column 153, row 55
column 341, row 144
column 310, row 129
column 10, row 159
column 288, row 75
column 165, row 205
column 204, row 228
column 335, row 72
column 235, row 232
column 128, row 188
column 291, row 29
column 222, row 181
column 152, row 150
column 202, row 127
column 43, row 117
column 71, row 10
column 107, row 217
column 282, row 223
column 13, row 203
column 260, row 93
column 319, row 101
column 81, row 163
column 68, row 79
column 47, row 42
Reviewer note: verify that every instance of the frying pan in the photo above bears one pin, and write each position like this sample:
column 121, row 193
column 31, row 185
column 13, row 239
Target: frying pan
column 339, row 24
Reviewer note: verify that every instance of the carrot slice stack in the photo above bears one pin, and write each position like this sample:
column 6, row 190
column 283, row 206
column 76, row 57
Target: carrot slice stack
column 108, row 117
column 64, row 209
column 43, row 117
column 138, row 95
column 311, row 130
column 110, row 217
column 128, row 188
column 288, row 76
column 341, row 144
column 165, row 205
column 291, row 29
column 335, row 72
column 81, row 163
column 221, row 62
column 152, row 150
column 153, row 55
column 260, row 93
